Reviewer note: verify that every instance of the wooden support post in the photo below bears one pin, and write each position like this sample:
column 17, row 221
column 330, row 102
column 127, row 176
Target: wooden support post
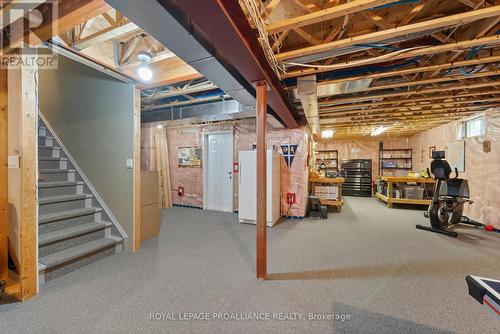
column 136, row 237
column 261, row 181
column 22, row 192
column 4, row 202
column 389, row 194
column 29, row 175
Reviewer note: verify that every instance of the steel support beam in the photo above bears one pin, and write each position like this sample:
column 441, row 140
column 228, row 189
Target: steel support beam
column 261, row 249
column 224, row 24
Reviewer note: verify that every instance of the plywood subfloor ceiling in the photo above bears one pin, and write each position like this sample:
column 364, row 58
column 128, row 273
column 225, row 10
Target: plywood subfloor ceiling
column 408, row 65
column 114, row 41
column 94, row 29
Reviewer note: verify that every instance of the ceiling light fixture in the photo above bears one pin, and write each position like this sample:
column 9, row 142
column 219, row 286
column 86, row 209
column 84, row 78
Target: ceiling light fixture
column 379, row 130
column 145, row 73
column 327, row 134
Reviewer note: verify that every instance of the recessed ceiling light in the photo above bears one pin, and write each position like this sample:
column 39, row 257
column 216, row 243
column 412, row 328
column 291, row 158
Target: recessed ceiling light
column 326, row 134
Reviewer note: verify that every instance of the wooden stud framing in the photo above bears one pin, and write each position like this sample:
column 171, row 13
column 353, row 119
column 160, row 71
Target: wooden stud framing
column 378, row 36
column 4, row 201
column 386, row 74
column 325, row 14
column 136, row 238
column 374, row 97
column 455, row 99
column 23, row 141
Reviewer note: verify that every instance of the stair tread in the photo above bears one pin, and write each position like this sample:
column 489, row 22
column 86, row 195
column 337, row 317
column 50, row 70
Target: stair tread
column 59, row 184
column 70, row 254
column 51, row 159
column 70, row 232
column 45, row 147
column 63, row 198
column 60, row 215
column 55, row 171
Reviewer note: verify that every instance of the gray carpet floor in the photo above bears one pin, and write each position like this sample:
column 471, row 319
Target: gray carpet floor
column 367, row 264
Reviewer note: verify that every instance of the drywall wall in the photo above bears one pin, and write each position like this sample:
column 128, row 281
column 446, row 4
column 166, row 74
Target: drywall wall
column 93, row 115
column 293, row 179
column 481, row 168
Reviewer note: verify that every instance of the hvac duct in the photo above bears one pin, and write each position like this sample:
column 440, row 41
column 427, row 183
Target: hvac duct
column 307, row 93
column 155, row 20
column 206, row 112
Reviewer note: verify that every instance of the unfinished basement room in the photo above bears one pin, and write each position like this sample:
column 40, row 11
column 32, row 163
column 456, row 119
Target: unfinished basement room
column 249, row 166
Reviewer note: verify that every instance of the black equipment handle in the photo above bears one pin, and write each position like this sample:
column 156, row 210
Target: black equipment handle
column 456, row 173
column 429, row 172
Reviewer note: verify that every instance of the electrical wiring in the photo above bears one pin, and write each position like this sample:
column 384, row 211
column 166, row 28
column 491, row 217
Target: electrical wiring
column 358, row 62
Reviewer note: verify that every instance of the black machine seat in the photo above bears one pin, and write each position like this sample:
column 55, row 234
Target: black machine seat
column 440, row 168
column 454, row 188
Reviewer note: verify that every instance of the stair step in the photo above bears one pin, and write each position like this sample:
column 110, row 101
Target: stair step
column 44, row 147
column 70, row 232
column 63, row 198
column 56, row 171
column 59, row 184
column 56, row 216
column 73, row 253
column 51, row 159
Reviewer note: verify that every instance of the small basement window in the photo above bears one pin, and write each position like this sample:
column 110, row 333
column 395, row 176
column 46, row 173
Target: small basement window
column 473, row 127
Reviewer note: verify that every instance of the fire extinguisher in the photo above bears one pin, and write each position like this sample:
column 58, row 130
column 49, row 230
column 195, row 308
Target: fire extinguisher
column 180, row 191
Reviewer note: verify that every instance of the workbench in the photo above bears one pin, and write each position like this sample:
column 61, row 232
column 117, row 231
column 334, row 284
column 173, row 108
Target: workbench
column 391, row 180
column 337, row 181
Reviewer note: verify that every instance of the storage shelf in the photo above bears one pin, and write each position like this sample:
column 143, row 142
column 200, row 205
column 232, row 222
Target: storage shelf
column 332, row 202
column 403, row 200
column 407, row 156
column 396, row 167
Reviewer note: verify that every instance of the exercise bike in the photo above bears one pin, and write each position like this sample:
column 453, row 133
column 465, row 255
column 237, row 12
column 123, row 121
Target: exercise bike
column 450, row 195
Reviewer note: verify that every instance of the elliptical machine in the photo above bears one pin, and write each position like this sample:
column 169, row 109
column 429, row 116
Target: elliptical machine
column 450, row 195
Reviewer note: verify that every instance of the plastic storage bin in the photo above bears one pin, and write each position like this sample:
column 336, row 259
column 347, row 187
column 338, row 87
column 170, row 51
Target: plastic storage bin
column 413, row 192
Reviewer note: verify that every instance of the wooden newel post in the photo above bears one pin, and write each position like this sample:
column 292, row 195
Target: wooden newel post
column 4, row 203
column 261, row 181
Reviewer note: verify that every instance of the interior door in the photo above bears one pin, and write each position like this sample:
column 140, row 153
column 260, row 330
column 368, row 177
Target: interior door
column 220, row 168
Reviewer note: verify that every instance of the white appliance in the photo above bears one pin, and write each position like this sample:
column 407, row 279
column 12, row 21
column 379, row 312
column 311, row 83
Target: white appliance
column 247, row 199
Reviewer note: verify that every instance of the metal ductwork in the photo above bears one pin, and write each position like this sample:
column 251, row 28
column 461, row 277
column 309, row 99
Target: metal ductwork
column 199, row 113
column 346, row 87
column 163, row 25
column 307, row 92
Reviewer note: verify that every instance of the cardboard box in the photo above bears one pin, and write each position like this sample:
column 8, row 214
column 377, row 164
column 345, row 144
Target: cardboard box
column 150, row 208
column 150, row 221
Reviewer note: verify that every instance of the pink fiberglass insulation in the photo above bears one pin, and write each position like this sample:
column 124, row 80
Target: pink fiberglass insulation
column 294, row 179
column 362, row 149
column 189, row 178
column 482, row 168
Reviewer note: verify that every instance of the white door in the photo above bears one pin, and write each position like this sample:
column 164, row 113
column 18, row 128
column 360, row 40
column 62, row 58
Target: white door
column 220, row 177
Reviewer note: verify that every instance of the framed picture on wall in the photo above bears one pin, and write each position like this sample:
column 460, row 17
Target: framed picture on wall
column 189, row 156
column 431, row 149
